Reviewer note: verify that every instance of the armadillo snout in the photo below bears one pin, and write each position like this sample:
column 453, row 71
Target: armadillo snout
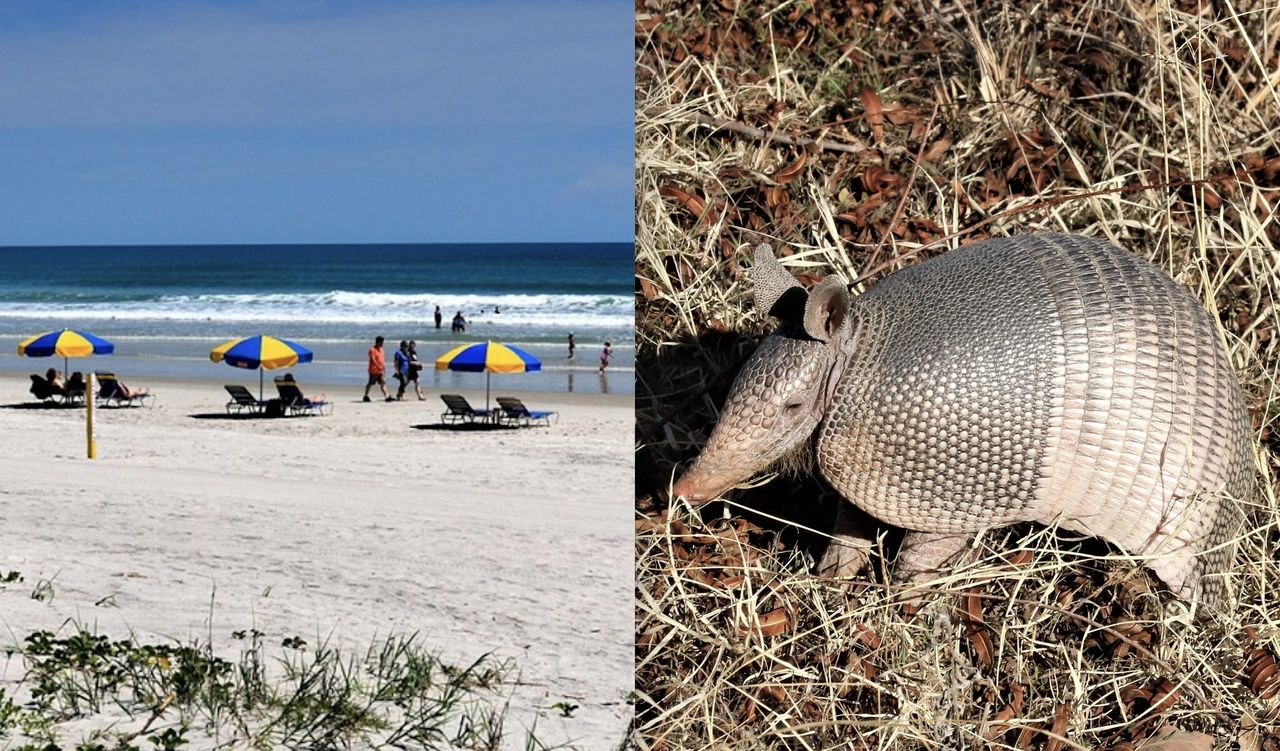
column 770, row 411
column 691, row 489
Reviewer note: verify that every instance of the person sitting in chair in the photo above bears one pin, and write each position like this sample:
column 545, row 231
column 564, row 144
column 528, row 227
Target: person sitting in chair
column 129, row 393
column 54, row 380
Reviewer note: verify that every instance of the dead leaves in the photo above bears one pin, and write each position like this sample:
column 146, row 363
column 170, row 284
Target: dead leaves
column 874, row 111
column 1261, row 670
column 694, row 203
column 791, row 171
column 1153, row 697
column 774, row 623
column 1172, row 739
column 975, row 629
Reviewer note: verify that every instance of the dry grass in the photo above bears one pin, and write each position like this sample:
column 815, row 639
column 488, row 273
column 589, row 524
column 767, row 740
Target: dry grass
column 1053, row 115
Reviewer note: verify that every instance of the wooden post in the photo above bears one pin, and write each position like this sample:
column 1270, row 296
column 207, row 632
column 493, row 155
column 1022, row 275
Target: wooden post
column 88, row 416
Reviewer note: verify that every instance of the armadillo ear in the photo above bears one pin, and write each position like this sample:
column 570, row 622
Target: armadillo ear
column 770, row 280
column 826, row 309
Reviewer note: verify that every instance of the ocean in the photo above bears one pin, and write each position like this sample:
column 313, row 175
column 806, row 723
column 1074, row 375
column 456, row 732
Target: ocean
column 166, row 307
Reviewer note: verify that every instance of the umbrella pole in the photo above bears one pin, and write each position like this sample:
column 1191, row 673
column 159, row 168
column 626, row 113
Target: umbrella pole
column 486, row 389
column 260, row 383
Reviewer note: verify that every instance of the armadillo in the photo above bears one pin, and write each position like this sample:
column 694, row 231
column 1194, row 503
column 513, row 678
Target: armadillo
column 1039, row 378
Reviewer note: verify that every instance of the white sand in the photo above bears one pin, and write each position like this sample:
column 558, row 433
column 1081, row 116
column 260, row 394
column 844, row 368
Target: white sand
column 351, row 526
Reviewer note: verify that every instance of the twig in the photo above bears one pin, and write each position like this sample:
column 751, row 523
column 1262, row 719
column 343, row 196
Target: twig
column 155, row 714
column 1049, row 202
column 768, row 135
column 906, row 191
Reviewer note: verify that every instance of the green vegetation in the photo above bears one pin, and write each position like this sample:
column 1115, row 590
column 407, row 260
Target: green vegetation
column 170, row 696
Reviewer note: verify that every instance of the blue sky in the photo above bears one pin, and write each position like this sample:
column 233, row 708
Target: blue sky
column 292, row 121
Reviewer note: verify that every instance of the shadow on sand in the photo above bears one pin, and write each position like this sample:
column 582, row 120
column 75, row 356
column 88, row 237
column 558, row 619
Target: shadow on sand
column 464, row 427
column 41, row 405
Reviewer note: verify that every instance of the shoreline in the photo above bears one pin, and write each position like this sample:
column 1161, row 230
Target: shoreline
column 341, row 363
column 14, row 390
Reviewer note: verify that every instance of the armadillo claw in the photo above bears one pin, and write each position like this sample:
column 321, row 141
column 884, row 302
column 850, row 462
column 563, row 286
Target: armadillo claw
column 844, row 559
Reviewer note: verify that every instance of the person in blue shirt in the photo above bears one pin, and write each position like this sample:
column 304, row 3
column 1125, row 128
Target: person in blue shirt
column 402, row 368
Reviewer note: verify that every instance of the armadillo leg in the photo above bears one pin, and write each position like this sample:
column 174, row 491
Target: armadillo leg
column 850, row 548
column 1197, row 569
column 923, row 554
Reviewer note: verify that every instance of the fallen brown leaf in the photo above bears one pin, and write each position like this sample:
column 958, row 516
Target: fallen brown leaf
column 936, row 150
column 1172, row 739
column 773, row 623
column 976, row 629
column 645, row 24
column 791, row 171
column 875, row 113
column 1059, row 730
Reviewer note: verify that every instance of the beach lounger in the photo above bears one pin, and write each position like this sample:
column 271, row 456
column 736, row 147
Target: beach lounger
column 74, row 389
column 460, row 411
column 294, row 402
column 69, row 393
column 514, row 412
column 112, row 392
column 41, row 389
column 242, row 400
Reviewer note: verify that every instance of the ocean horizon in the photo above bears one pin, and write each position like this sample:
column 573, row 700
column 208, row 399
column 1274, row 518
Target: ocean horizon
column 165, row 306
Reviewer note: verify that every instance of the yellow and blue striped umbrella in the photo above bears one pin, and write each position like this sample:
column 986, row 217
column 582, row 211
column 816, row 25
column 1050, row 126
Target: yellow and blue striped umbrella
column 258, row 352
column 65, row 343
column 488, row 357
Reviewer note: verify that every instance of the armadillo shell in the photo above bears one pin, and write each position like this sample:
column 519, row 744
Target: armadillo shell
column 1046, row 378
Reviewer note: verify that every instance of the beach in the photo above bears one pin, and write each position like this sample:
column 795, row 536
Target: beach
column 345, row 528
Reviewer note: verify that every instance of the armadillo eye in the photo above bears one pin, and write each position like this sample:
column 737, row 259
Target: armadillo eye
column 792, row 407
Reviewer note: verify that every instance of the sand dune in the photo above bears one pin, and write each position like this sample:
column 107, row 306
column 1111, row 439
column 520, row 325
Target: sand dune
column 351, row 527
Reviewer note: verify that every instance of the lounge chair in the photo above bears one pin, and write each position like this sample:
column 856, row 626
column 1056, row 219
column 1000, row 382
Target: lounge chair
column 460, row 411
column 42, row 390
column 74, row 389
column 294, row 402
column 514, row 411
column 242, row 400
column 112, row 392
column 69, row 393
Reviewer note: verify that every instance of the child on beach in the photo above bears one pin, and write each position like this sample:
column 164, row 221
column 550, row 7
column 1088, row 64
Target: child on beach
column 377, row 370
column 439, row 316
column 605, row 354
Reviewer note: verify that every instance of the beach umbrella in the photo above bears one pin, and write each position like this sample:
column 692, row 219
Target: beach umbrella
column 487, row 358
column 260, row 352
column 65, row 343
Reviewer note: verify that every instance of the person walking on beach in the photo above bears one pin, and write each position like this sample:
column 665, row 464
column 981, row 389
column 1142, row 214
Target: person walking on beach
column 571, row 345
column 439, row 316
column 605, row 354
column 415, row 369
column 377, row 370
column 402, row 368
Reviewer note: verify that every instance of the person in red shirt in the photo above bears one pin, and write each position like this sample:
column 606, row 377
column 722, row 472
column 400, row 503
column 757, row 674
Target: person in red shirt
column 377, row 370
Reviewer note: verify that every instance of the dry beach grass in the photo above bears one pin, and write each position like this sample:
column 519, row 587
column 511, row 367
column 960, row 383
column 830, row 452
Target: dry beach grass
column 1155, row 125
